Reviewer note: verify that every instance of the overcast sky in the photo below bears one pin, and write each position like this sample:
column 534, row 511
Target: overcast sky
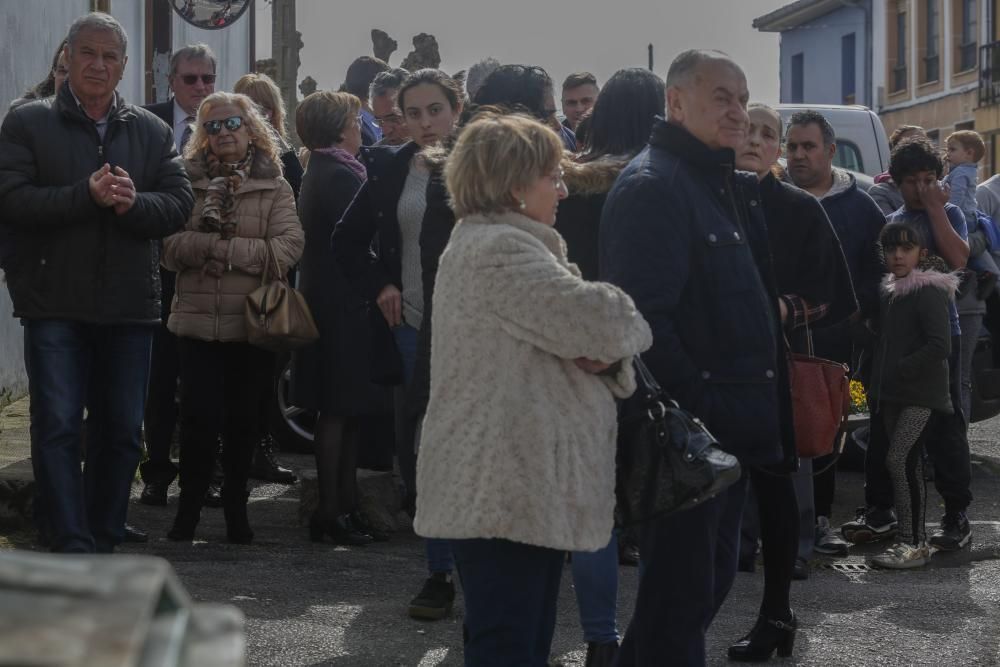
column 562, row 36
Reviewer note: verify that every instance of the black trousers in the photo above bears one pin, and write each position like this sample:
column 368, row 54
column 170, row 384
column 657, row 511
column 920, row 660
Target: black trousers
column 161, row 409
column 946, row 443
column 223, row 384
column 688, row 566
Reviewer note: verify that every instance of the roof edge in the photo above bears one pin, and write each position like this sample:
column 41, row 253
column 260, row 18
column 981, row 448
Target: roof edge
column 795, row 14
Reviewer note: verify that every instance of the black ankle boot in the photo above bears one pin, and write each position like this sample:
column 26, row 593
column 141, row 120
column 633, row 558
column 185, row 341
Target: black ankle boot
column 234, row 508
column 767, row 636
column 188, row 514
column 601, row 655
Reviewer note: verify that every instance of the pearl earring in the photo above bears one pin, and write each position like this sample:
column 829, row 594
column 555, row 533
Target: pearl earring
column 523, row 205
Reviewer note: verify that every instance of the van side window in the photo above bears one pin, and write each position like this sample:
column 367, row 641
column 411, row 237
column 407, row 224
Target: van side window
column 848, row 156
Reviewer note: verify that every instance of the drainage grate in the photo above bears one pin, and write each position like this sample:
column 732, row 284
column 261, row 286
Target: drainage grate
column 851, row 568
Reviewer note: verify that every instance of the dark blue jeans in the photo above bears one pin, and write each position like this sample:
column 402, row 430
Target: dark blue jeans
column 105, row 368
column 595, row 578
column 511, row 590
column 688, row 567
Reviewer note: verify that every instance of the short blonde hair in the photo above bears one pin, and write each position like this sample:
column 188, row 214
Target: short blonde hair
column 495, row 154
column 261, row 134
column 265, row 92
column 969, row 140
column 322, row 117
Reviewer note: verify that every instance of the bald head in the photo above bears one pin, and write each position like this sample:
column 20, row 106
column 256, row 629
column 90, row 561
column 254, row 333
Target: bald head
column 707, row 95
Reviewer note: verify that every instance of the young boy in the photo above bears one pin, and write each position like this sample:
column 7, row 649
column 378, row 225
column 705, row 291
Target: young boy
column 916, row 167
column 965, row 150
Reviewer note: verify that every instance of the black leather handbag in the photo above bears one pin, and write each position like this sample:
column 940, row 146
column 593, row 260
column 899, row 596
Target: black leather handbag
column 667, row 460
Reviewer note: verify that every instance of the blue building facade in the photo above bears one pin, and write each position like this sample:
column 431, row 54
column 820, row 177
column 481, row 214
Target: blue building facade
column 825, row 51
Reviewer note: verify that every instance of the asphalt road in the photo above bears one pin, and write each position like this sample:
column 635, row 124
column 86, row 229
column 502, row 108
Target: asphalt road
column 315, row 604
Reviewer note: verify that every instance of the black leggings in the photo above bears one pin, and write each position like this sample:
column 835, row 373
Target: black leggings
column 779, row 537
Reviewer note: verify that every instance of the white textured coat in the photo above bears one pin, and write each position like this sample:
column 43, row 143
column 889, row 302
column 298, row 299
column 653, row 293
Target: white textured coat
column 518, row 442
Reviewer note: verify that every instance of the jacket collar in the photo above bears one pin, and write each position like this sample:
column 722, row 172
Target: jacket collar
column 843, row 182
column 685, row 146
column 544, row 233
column 67, row 105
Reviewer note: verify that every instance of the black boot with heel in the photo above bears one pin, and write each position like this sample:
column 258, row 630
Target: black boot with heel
column 768, row 635
column 188, row 515
column 234, row 508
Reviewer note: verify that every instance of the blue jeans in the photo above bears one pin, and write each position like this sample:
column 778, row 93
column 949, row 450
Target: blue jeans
column 105, row 368
column 439, row 558
column 511, row 590
column 595, row 578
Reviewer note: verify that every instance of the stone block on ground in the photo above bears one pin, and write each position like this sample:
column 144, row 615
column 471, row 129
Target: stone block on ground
column 380, row 501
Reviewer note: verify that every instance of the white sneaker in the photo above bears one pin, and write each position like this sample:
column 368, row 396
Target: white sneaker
column 828, row 542
column 902, row 556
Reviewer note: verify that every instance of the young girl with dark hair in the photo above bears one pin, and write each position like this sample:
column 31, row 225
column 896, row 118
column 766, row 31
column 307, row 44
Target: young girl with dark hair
column 910, row 379
column 402, row 196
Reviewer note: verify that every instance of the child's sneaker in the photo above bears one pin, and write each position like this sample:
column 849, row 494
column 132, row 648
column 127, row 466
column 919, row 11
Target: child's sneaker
column 953, row 534
column 870, row 525
column 902, row 556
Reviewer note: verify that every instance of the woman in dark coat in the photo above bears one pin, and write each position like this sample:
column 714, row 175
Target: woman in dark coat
column 327, row 377
column 812, row 281
column 620, row 125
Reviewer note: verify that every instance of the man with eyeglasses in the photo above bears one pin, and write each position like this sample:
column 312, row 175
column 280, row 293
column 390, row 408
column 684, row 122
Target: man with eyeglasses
column 382, row 97
column 90, row 184
column 192, row 79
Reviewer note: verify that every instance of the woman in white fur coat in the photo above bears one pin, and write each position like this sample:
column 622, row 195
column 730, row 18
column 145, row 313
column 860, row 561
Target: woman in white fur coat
column 518, row 446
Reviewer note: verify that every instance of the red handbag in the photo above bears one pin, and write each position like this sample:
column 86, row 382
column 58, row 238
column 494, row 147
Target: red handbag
column 820, row 401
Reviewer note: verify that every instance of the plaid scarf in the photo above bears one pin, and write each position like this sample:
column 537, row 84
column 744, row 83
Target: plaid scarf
column 226, row 179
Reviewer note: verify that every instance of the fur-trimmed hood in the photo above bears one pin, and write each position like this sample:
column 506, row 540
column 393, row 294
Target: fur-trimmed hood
column 917, row 280
column 593, row 178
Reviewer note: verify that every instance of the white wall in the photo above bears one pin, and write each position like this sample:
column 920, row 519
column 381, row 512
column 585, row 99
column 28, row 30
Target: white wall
column 31, row 33
column 232, row 40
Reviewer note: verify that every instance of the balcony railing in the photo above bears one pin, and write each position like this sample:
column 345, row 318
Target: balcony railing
column 989, row 74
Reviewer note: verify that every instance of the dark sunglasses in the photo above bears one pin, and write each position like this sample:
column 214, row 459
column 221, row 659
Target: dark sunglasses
column 232, row 124
column 191, row 79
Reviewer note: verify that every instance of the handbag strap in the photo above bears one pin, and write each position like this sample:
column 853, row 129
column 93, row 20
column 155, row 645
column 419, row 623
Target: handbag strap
column 271, row 264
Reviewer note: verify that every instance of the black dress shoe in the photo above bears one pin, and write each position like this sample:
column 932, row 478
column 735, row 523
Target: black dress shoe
column 800, row 571
column 265, row 466
column 133, row 534
column 767, row 636
column 154, row 493
column 213, row 497
column 601, row 655
column 364, row 526
column 340, row 530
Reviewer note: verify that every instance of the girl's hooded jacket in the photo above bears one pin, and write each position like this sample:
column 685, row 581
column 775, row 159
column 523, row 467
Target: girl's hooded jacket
column 911, row 358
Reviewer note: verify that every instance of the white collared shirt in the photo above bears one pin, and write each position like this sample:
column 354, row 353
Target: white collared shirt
column 180, row 124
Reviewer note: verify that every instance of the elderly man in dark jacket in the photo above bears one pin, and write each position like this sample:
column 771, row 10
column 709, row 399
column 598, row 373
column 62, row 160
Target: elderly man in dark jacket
column 684, row 235
column 88, row 184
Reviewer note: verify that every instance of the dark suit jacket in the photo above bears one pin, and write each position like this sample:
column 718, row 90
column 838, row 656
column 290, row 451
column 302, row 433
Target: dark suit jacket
column 165, row 112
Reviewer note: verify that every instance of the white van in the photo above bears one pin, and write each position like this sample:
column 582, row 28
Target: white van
column 862, row 145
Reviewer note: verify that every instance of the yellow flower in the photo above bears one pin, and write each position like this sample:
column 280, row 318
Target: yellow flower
column 859, row 401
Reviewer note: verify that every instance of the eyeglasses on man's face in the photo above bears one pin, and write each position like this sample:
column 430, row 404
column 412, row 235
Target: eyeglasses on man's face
column 213, row 127
column 390, row 120
column 191, row 79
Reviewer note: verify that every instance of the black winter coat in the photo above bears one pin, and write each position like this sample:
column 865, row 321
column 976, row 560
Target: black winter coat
column 578, row 220
column 331, row 374
column 74, row 259
column 371, row 219
column 684, row 235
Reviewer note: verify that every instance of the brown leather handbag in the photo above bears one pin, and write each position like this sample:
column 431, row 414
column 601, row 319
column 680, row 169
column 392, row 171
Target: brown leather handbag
column 277, row 315
column 821, row 401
